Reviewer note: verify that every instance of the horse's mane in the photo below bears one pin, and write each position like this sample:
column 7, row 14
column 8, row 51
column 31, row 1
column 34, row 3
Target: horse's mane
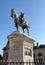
column 16, row 14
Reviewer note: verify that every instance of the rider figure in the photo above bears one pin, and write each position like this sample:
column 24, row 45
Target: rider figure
column 21, row 17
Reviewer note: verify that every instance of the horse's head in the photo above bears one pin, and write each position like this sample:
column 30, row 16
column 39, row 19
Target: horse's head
column 13, row 13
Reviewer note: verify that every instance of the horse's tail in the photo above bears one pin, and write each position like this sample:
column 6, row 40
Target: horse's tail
column 28, row 25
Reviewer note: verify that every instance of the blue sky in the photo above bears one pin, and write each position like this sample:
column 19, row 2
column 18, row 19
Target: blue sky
column 34, row 13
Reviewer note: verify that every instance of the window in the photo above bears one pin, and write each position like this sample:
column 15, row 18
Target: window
column 27, row 52
column 40, row 57
column 6, row 56
column 39, row 54
column 34, row 57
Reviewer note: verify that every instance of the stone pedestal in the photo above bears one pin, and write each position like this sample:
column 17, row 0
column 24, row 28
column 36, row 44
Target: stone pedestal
column 19, row 48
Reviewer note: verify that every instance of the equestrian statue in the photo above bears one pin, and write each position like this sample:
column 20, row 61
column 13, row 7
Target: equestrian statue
column 19, row 21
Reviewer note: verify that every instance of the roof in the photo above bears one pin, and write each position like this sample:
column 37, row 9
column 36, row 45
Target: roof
column 40, row 46
column 7, row 46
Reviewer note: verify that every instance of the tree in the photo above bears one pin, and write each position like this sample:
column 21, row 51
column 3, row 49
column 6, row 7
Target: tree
column 1, row 58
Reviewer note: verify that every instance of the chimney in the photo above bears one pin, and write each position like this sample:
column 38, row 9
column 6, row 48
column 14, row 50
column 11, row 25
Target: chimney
column 37, row 44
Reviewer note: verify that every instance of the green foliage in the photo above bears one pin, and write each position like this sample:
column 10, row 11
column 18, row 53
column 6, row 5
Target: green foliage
column 1, row 58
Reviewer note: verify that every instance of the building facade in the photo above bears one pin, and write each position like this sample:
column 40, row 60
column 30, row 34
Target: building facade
column 39, row 53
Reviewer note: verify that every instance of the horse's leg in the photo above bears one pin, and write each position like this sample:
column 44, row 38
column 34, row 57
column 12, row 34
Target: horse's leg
column 17, row 28
column 27, row 31
column 23, row 30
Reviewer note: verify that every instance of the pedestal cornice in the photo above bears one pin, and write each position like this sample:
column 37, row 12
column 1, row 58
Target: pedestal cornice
column 20, row 35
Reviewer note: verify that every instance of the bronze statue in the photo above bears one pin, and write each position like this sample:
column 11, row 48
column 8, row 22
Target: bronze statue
column 19, row 20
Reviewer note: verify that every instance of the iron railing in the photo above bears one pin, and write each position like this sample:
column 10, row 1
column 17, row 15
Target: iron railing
column 22, row 63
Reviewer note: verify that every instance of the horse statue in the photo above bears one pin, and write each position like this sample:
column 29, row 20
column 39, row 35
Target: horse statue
column 19, row 20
